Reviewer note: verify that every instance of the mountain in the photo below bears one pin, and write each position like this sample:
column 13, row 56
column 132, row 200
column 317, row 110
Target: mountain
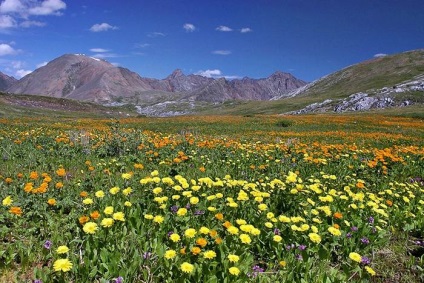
column 79, row 77
column 6, row 81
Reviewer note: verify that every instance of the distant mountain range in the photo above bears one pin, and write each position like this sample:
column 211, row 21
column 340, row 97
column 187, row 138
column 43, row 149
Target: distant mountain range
column 80, row 77
column 390, row 81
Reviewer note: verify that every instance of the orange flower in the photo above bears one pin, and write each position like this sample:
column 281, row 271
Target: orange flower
column 389, row 202
column 28, row 187
column 59, row 185
column 338, row 215
column 20, row 175
column 16, row 210
column 61, row 172
column 202, row 169
column 33, row 175
column 195, row 250
column 213, row 233
column 227, row 224
column 201, row 242
column 51, row 201
column 138, row 166
column 83, row 219
column 218, row 241
column 8, row 180
column 360, row 185
column 183, row 251
column 337, row 226
column 219, row 216
column 95, row 215
column 83, row 194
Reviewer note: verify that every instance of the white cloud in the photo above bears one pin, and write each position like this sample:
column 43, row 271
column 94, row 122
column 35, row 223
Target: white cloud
column 102, row 27
column 379, row 55
column 17, row 64
column 6, row 49
column 209, row 73
column 22, row 73
column 155, row 34
column 245, row 30
column 6, row 22
column 42, row 64
column 27, row 24
column 221, row 52
column 142, row 45
column 105, row 55
column 215, row 73
column 189, row 27
column 48, row 7
column 224, row 28
column 99, row 50
column 12, row 6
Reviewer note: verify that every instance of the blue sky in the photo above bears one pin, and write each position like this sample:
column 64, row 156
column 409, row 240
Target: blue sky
column 233, row 38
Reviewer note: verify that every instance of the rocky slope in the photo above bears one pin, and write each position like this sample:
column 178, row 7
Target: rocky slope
column 80, row 77
column 6, row 81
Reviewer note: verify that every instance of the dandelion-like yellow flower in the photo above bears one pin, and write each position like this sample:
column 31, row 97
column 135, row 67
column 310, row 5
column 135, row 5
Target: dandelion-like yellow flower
column 187, row 267
column 245, row 239
column 190, row 233
column 118, row 216
column 194, row 200
column 355, row 257
column 127, row 191
column 108, row 210
column 209, row 254
column 107, row 222
column 62, row 250
column 182, row 211
column 370, row 270
column 7, row 201
column 99, row 194
column 170, row 254
column 204, row 230
column 90, row 227
column 87, row 201
column 158, row 219
column 62, row 264
column 175, row 237
column 277, row 238
column 126, row 176
column 334, row 231
column 314, row 237
column 234, row 271
column 127, row 203
column 233, row 258
column 114, row 190
column 233, row 230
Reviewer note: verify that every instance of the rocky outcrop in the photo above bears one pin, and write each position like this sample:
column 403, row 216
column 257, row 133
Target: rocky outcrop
column 6, row 81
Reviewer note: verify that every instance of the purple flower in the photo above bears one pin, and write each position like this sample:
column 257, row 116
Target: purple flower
column 365, row 241
column 354, row 229
column 365, row 260
column 47, row 244
column 301, row 247
column 187, row 206
column 120, row 279
column 299, row 257
column 276, row 231
column 371, row 220
column 349, row 235
column 37, row 281
column 257, row 268
column 170, row 233
column 146, row 255
column 174, row 209
column 199, row 212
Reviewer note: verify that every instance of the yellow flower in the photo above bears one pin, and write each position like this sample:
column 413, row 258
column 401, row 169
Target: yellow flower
column 233, row 258
column 158, row 219
column 204, row 230
column 170, row 254
column 175, row 237
column 87, row 201
column 127, row 191
column 51, row 201
column 370, row 270
column 62, row 250
column 234, row 271
column 114, row 190
column 209, row 254
column 108, row 210
column 107, row 222
column 90, row 227
column 127, row 203
column 99, row 194
column 126, row 176
column 194, row 200
column 7, row 201
column 314, row 237
column 119, row 216
column 148, row 216
column 262, row 207
column 182, row 211
column 283, row 263
column 190, row 233
column 187, row 267
column 355, row 257
column 277, row 238
column 334, row 231
column 233, row 230
column 157, row 190
column 245, row 239
column 62, row 264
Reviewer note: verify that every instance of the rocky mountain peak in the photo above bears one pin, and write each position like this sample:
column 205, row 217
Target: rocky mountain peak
column 6, row 81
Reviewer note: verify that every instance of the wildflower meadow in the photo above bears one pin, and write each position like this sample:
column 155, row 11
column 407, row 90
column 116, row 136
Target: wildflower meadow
column 318, row 198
